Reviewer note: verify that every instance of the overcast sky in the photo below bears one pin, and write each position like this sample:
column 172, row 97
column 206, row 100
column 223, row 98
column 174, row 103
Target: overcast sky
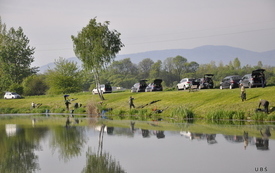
column 144, row 25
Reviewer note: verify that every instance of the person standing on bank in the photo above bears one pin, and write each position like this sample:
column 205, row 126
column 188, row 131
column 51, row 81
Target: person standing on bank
column 265, row 104
column 67, row 103
column 243, row 93
column 131, row 102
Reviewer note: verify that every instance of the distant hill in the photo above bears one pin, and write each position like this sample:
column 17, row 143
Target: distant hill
column 201, row 55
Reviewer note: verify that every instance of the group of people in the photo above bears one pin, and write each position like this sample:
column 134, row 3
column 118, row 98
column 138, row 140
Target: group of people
column 68, row 102
column 262, row 102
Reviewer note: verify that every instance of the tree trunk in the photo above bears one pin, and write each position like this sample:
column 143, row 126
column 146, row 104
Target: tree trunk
column 97, row 81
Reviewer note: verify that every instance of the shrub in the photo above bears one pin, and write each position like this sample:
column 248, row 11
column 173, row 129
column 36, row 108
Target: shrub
column 182, row 112
column 258, row 116
column 38, row 110
column 92, row 108
column 271, row 117
column 133, row 112
column 224, row 114
column 215, row 115
column 58, row 110
column 238, row 115
column 80, row 110
column 143, row 112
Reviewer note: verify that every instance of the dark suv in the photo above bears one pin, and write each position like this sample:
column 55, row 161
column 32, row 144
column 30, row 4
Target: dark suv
column 154, row 86
column 139, row 87
column 255, row 79
column 207, row 81
column 230, row 82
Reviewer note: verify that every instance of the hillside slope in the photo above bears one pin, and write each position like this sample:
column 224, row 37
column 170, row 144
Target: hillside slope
column 200, row 102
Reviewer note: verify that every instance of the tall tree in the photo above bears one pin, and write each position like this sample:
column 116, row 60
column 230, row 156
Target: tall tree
column 35, row 85
column 155, row 71
column 180, row 65
column 192, row 67
column 260, row 64
column 16, row 56
column 145, row 67
column 237, row 63
column 96, row 46
column 64, row 78
column 123, row 67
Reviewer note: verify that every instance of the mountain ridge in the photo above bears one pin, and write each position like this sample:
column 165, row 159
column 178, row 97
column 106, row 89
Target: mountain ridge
column 201, row 55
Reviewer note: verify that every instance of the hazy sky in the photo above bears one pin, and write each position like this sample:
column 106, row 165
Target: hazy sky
column 144, row 24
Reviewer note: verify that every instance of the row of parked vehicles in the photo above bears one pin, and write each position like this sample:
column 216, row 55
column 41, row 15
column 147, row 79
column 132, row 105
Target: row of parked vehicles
column 254, row 79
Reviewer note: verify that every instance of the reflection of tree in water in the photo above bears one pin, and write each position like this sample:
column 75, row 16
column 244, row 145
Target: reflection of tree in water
column 101, row 161
column 17, row 152
column 68, row 141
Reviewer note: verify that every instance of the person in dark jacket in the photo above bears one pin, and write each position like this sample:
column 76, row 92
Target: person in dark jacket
column 131, row 102
column 67, row 103
column 265, row 104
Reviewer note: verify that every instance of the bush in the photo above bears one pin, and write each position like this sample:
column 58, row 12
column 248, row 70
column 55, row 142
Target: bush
column 92, row 108
column 238, row 115
column 182, row 112
column 16, row 88
column 224, row 114
column 34, row 85
column 258, row 116
column 58, row 110
column 271, row 117
column 80, row 110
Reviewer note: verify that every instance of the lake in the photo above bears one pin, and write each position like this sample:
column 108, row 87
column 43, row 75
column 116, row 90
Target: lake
column 54, row 144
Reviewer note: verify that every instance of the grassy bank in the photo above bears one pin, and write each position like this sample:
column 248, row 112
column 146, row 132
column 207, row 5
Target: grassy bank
column 211, row 104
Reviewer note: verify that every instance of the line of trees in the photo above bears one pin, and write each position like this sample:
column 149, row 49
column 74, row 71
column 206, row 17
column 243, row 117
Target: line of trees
column 68, row 77
column 124, row 73
column 90, row 45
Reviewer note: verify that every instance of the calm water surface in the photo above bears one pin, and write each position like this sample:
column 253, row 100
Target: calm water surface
column 134, row 147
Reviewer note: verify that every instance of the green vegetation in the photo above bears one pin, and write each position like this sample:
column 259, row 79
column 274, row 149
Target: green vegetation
column 211, row 104
column 97, row 58
column 96, row 46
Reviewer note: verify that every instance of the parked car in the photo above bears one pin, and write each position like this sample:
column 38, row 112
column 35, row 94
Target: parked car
column 105, row 88
column 154, row 86
column 206, row 81
column 230, row 82
column 139, row 87
column 255, row 79
column 11, row 95
column 185, row 83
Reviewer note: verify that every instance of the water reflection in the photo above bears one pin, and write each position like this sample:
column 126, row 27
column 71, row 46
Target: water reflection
column 17, row 148
column 99, row 146
column 101, row 161
column 210, row 138
column 263, row 142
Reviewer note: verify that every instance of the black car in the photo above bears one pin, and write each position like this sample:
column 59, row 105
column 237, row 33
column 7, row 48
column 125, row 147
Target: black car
column 230, row 82
column 154, row 86
column 254, row 79
column 206, row 81
column 139, row 87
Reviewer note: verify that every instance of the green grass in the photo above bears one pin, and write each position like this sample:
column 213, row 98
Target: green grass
column 198, row 104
